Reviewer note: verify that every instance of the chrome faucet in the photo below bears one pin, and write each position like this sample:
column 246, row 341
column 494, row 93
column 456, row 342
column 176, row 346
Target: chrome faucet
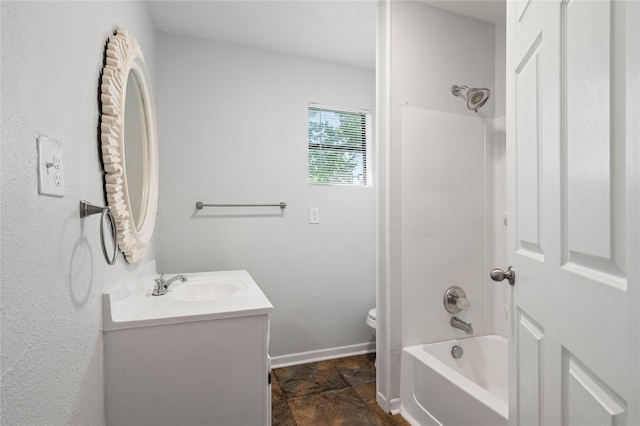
column 464, row 326
column 162, row 285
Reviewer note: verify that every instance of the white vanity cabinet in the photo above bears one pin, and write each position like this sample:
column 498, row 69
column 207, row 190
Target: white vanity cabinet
column 210, row 367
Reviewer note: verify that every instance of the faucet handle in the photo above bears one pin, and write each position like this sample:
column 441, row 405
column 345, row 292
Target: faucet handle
column 462, row 303
column 159, row 289
column 455, row 300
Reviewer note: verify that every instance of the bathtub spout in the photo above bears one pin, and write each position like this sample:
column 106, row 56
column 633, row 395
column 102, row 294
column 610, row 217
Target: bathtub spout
column 464, row 326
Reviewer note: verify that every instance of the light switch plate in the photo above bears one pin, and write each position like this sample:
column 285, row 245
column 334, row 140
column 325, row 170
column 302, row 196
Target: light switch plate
column 314, row 215
column 50, row 167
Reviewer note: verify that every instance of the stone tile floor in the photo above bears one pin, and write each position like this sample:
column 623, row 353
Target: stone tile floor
column 335, row 392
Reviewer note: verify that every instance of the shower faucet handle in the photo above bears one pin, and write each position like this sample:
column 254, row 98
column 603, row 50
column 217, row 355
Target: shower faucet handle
column 463, row 303
column 455, row 300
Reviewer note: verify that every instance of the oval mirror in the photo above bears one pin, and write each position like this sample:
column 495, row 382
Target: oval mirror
column 129, row 144
column 135, row 147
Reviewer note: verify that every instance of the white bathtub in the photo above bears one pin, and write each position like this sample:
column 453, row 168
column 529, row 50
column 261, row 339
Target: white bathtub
column 440, row 390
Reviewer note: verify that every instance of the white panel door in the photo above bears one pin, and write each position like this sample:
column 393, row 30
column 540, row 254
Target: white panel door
column 573, row 211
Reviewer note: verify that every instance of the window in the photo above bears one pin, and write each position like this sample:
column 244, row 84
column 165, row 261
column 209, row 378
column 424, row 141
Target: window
column 338, row 142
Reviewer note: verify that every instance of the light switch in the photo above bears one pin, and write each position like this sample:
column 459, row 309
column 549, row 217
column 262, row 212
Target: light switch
column 314, row 215
column 50, row 167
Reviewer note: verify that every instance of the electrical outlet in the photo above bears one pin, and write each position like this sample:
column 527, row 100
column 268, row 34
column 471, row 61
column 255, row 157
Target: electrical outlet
column 314, row 215
column 50, row 167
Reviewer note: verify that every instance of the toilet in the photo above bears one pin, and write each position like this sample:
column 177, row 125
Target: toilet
column 371, row 320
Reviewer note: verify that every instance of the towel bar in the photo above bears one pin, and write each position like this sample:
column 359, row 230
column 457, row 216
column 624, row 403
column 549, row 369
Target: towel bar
column 200, row 205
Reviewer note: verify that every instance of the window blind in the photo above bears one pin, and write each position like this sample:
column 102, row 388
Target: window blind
column 337, row 146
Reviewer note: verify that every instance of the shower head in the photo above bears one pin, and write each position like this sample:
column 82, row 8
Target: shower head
column 475, row 97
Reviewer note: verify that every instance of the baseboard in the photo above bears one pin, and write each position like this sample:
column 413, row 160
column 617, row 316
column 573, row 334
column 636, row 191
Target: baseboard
column 322, row 355
column 395, row 406
column 392, row 405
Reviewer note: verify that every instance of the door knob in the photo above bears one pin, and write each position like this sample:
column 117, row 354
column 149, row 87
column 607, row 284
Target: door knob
column 499, row 275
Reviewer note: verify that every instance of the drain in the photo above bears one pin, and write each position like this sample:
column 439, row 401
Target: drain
column 457, row 352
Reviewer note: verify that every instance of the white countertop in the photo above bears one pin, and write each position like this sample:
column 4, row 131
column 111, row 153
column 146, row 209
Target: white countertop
column 130, row 304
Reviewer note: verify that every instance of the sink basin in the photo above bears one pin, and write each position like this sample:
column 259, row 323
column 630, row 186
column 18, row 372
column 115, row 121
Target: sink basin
column 203, row 289
column 204, row 296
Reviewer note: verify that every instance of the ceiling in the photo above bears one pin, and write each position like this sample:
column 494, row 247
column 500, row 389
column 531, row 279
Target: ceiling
column 341, row 31
column 492, row 11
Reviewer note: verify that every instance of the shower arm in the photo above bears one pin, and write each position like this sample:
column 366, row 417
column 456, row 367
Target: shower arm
column 457, row 89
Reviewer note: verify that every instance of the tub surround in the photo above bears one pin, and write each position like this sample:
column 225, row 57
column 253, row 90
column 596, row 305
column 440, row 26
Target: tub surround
column 442, row 221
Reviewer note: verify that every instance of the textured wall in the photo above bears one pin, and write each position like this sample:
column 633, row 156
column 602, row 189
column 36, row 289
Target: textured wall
column 53, row 271
column 233, row 129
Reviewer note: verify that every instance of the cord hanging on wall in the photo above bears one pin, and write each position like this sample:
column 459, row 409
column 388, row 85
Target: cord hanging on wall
column 87, row 209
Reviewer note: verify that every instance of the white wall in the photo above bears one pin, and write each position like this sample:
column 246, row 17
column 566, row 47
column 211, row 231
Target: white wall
column 233, row 129
column 53, row 271
column 497, row 294
column 431, row 51
column 388, row 340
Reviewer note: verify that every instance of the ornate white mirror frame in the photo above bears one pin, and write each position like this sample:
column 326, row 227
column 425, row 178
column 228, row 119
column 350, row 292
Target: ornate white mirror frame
column 134, row 228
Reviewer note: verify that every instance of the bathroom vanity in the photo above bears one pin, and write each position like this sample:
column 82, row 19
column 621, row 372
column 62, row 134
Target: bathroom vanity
column 196, row 355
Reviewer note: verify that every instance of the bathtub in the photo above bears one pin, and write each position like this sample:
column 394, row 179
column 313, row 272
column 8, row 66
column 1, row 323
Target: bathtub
column 437, row 389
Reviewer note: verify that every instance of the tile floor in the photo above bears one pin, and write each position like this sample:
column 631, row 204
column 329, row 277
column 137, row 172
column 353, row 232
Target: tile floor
column 335, row 392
